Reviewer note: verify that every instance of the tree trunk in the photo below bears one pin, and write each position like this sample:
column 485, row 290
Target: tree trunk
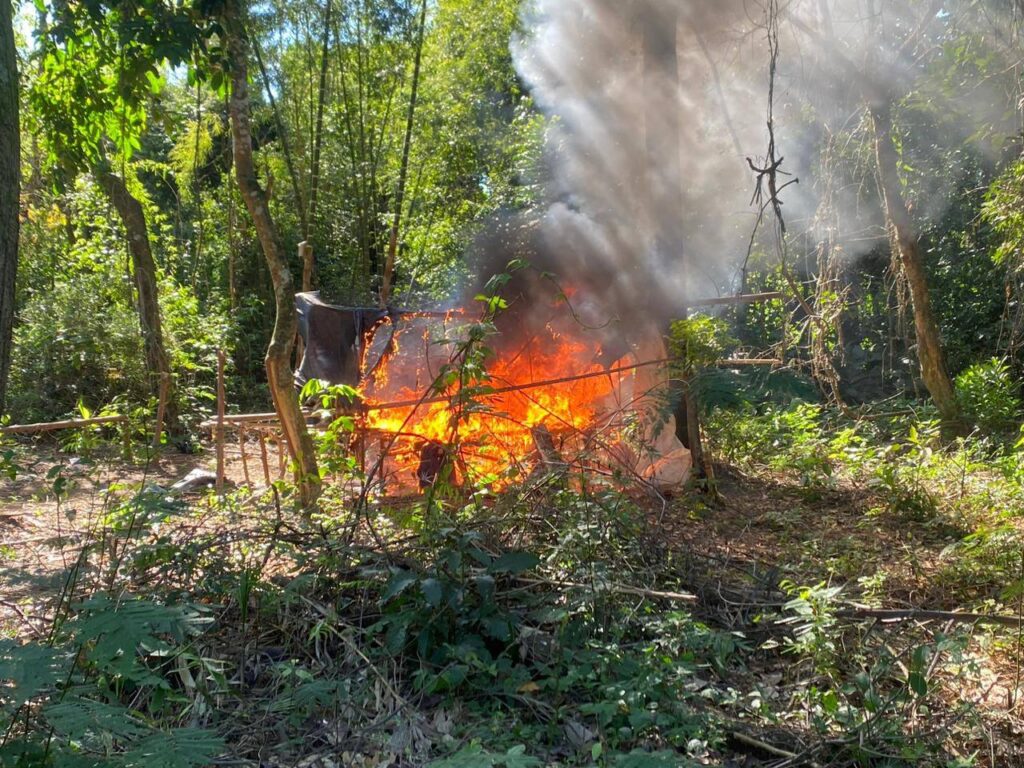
column 148, row 306
column 403, row 174
column 10, row 189
column 929, row 345
column 279, row 372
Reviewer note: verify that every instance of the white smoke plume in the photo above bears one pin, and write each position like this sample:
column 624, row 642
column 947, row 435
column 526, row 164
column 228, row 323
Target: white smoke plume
column 656, row 106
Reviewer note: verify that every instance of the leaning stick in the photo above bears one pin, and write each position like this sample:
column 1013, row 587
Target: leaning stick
column 254, row 418
column 914, row 614
column 518, row 387
column 622, row 589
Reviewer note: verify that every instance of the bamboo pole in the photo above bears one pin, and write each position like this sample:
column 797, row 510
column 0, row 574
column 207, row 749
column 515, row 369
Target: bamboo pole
column 221, row 408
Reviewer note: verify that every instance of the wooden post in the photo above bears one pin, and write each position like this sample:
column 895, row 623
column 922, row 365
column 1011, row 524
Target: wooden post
column 245, row 459
column 263, row 456
column 306, row 259
column 161, row 408
column 221, row 408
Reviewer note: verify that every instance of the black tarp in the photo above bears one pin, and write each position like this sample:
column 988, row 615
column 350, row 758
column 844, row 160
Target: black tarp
column 333, row 337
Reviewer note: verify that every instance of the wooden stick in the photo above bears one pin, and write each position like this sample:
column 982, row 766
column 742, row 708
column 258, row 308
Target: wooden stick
column 745, row 362
column 270, row 418
column 281, row 465
column 748, row 298
column 263, row 456
column 246, row 418
column 750, row 741
column 52, row 426
column 915, row 614
column 221, row 408
column 245, row 459
column 622, row 589
column 306, row 260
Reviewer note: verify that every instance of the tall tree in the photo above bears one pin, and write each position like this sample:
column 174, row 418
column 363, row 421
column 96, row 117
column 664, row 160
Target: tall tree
column 133, row 217
column 907, row 242
column 10, row 188
column 85, row 52
column 278, row 359
column 884, row 79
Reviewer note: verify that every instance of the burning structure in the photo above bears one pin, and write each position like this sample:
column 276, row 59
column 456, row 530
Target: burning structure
column 535, row 389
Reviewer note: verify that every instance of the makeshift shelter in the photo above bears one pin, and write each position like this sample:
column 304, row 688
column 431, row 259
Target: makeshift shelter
column 334, row 339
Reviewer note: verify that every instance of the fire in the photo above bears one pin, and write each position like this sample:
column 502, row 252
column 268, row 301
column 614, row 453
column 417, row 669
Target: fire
column 550, row 380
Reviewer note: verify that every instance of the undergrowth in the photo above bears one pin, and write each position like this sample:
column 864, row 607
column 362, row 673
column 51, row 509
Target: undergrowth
column 550, row 624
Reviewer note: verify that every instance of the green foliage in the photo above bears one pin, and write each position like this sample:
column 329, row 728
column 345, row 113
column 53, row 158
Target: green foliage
column 450, row 614
column 475, row 755
column 700, row 341
column 68, row 699
column 1004, row 210
column 989, row 396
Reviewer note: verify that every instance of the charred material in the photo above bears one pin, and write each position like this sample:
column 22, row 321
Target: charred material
column 434, row 460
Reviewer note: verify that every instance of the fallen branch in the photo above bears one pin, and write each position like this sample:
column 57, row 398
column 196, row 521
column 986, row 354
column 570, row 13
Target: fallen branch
column 763, row 746
column 622, row 589
column 916, row 614
column 53, row 426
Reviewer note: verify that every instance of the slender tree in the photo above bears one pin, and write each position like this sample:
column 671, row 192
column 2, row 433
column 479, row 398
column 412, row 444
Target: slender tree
column 278, row 358
column 10, row 187
column 147, row 297
column 84, row 52
column 907, row 242
column 877, row 94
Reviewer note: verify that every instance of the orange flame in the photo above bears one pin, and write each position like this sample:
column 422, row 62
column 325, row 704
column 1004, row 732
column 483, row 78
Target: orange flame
column 488, row 434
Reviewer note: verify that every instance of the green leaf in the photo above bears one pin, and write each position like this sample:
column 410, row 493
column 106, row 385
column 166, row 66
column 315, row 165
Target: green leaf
column 433, row 591
column 514, row 563
column 918, row 684
column 183, row 748
column 400, row 582
column 830, row 703
column 516, row 757
column 32, row 668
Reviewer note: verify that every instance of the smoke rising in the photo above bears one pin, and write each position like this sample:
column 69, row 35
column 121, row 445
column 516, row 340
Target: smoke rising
column 656, row 105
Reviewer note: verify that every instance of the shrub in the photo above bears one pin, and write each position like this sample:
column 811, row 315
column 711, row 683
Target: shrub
column 988, row 396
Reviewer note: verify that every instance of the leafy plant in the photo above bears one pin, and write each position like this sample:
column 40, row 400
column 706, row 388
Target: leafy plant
column 989, row 395
column 69, row 699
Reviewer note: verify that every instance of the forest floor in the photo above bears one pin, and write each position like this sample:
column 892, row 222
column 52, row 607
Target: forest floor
column 787, row 671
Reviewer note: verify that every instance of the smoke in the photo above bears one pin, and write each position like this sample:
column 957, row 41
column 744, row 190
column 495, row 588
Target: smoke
column 655, row 107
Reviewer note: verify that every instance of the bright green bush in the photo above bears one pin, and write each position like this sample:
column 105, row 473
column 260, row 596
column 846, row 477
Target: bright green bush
column 988, row 395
